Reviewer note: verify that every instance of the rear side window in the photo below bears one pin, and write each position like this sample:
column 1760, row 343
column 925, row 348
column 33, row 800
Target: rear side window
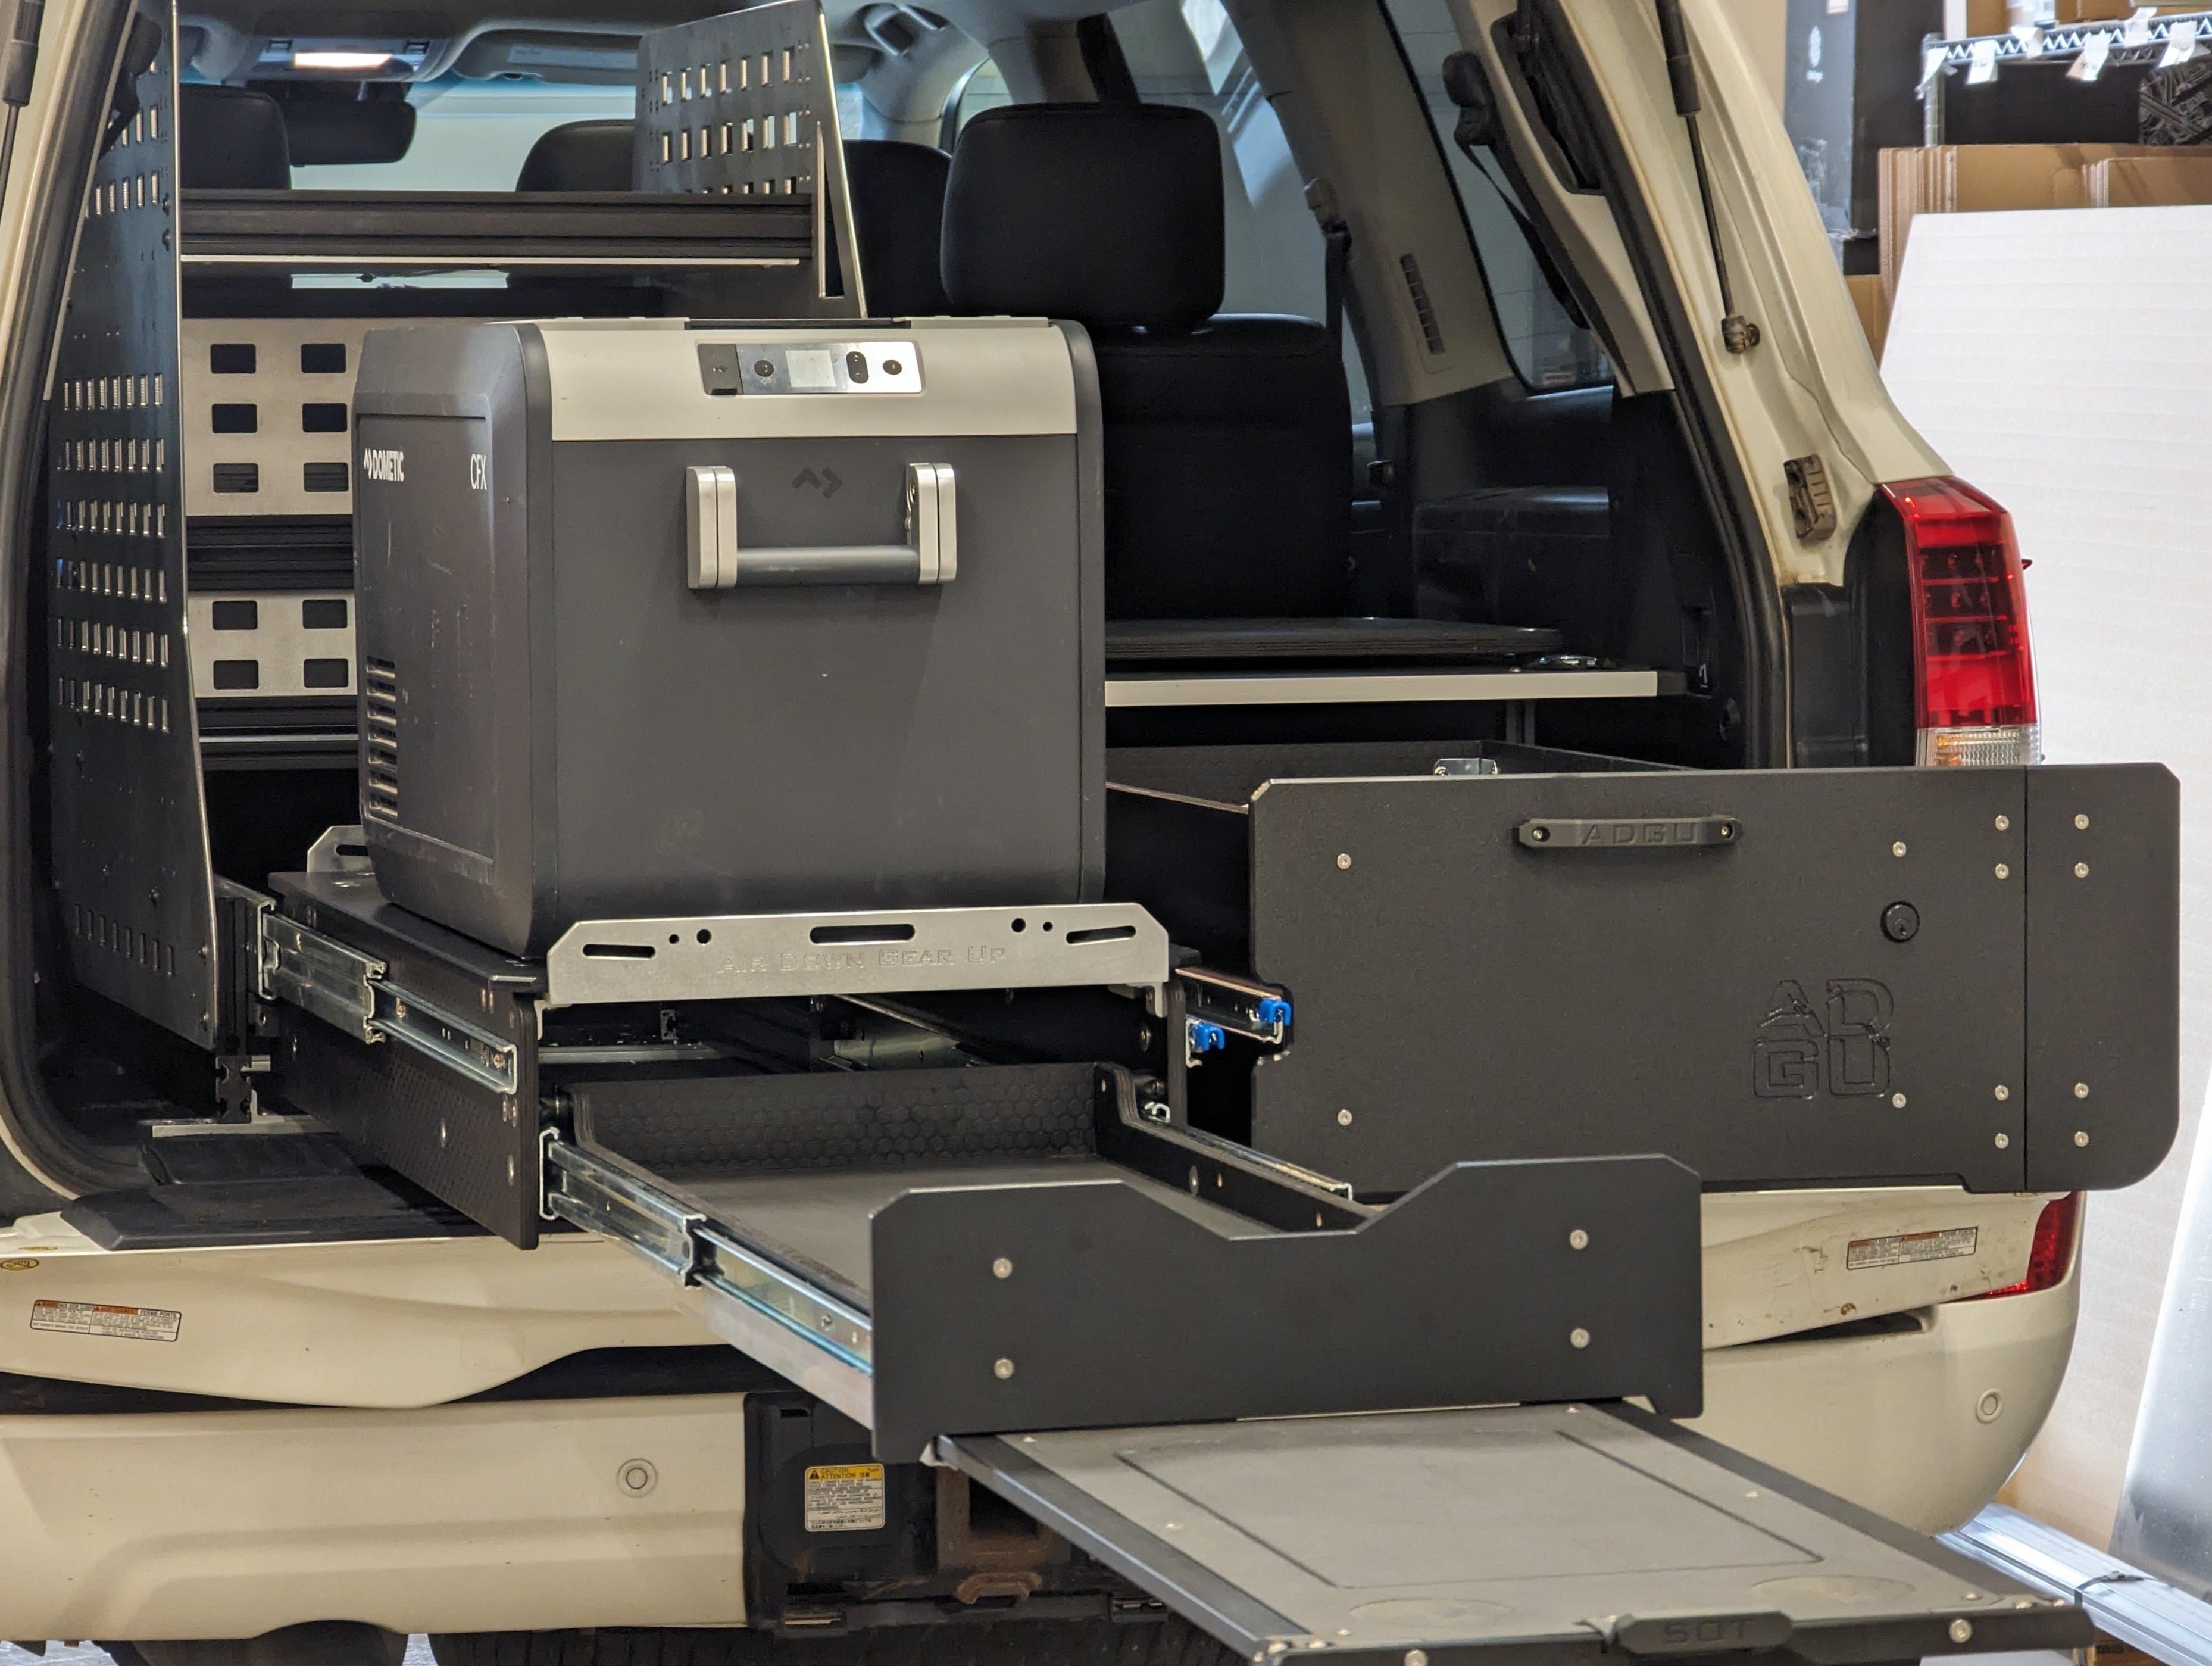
column 1549, row 349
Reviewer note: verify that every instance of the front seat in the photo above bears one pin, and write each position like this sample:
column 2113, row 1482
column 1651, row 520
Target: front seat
column 231, row 138
column 1228, row 437
column 580, row 156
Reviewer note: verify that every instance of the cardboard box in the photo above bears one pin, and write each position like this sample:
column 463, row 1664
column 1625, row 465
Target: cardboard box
column 2149, row 181
column 1962, row 18
column 1873, row 308
column 2073, row 11
column 1970, row 178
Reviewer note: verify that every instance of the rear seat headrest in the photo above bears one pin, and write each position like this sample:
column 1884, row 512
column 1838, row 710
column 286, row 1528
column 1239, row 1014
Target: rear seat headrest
column 899, row 211
column 1105, row 214
column 231, row 138
column 580, row 156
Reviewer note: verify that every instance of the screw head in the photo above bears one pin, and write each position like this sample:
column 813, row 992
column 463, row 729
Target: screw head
column 1898, row 1100
column 1962, row 1630
column 2002, row 1141
column 1344, row 858
column 1579, row 1338
column 1579, row 1239
column 2081, row 1136
column 2004, row 872
column 2081, row 823
column 2002, row 1092
column 1417, row 1657
column 1002, row 1369
column 2080, row 1090
column 1898, row 849
column 1344, row 1119
column 2004, row 822
column 1003, row 1267
column 2081, row 869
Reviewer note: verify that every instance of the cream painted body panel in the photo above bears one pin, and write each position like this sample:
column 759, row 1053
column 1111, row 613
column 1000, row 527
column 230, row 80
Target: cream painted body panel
column 512, row 1515
column 410, row 1323
column 1896, row 1424
column 1776, row 1262
column 423, row 1322
column 1811, row 386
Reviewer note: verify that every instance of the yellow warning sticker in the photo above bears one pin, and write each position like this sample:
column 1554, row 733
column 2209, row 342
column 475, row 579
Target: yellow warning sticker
column 844, row 1498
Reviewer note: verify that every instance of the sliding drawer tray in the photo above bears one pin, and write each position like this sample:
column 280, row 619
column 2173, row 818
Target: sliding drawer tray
column 945, row 1251
column 1541, row 1535
column 1792, row 977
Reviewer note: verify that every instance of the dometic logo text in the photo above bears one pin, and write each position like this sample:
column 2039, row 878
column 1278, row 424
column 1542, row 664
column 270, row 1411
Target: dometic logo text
column 1845, row 1048
column 386, row 466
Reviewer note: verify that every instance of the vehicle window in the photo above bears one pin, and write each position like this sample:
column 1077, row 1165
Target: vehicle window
column 1188, row 52
column 473, row 135
column 1548, row 348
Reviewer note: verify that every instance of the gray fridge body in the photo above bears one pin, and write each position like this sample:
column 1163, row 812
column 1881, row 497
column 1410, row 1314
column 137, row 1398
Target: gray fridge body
column 615, row 660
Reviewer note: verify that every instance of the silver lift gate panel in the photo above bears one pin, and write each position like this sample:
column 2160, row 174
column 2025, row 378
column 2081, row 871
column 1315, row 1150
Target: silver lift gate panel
column 1544, row 1534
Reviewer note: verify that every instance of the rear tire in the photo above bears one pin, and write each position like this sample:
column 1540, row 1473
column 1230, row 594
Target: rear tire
column 333, row 1643
column 956, row 1642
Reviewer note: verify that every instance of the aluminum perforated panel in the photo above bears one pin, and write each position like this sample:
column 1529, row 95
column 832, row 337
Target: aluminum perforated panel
column 742, row 105
column 131, row 854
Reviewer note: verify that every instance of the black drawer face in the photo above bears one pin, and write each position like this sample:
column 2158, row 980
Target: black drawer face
column 1777, row 977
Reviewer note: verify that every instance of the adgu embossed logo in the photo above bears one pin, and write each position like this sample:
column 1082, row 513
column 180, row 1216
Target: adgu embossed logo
column 1839, row 1046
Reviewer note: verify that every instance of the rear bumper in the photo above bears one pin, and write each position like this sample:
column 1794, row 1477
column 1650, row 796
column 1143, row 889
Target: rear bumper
column 495, row 1516
column 1902, row 1424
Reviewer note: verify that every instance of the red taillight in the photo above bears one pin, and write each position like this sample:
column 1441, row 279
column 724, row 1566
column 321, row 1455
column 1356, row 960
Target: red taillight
column 2050, row 1257
column 1971, row 668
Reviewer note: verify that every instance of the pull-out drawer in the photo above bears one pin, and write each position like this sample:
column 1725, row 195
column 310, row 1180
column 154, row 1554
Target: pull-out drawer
column 1777, row 977
column 945, row 1251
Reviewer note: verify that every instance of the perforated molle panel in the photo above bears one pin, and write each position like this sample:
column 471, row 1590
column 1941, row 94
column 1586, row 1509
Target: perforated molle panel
column 129, row 834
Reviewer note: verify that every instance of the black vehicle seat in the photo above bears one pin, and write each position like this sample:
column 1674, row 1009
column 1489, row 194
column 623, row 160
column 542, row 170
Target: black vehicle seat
column 580, row 156
column 898, row 202
column 1520, row 555
column 231, row 138
column 898, row 213
column 1228, row 437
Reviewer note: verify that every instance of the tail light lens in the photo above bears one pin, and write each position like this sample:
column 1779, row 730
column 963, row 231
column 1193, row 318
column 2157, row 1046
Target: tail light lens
column 2050, row 1257
column 1971, row 673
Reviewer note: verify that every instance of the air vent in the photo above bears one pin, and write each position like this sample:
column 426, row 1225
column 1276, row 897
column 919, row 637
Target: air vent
column 379, row 689
column 1426, row 313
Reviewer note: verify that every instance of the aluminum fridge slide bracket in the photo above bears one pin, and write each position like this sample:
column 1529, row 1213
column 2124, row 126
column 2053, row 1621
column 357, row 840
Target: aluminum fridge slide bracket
column 889, row 951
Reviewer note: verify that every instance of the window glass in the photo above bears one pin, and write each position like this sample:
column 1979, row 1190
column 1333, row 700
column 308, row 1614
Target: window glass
column 1549, row 349
column 1188, row 52
column 473, row 135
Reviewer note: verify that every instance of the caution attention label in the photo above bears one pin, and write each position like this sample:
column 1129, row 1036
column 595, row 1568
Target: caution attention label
column 137, row 1324
column 844, row 1498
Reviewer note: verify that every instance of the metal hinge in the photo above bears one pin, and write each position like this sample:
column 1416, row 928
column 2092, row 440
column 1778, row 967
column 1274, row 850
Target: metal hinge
column 349, row 990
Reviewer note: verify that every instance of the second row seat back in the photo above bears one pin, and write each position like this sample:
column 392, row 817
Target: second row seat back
column 1228, row 438
column 899, row 202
